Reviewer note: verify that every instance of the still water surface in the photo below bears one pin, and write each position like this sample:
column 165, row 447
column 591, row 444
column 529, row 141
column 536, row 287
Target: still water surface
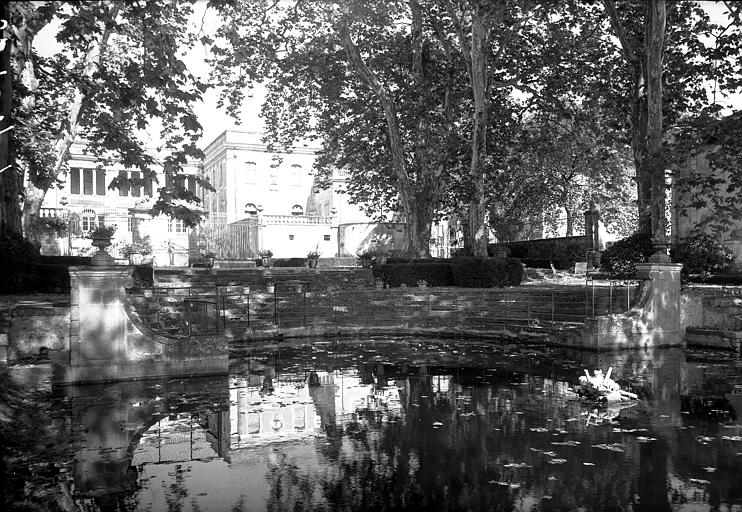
column 402, row 425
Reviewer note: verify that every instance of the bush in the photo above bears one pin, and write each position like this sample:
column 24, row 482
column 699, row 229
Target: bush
column 701, row 255
column 622, row 256
column 396, row 274
column 561, row 252
column 471, row 272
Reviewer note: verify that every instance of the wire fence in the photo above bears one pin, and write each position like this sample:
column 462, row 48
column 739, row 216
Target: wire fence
column 196, row 310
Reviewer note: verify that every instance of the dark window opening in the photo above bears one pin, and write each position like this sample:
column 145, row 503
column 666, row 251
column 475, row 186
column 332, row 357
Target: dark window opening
column 74, row 181
column 87, row 182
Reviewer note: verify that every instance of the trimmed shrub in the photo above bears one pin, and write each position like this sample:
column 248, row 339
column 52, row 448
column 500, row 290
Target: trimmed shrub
column 287, row 262
column 561, row 252
column 622, row 256
column 396, row 274
column 471, row 272
column 17, row 259
column 701, row 255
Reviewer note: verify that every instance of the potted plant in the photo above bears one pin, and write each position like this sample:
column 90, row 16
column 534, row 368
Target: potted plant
column 379, row 255
column 209, row 257
column 313, row 258
column 266, row 255
column 422, row 283
column 270, row 287
column 101, row 238
column 366, row 258
column 137, row 251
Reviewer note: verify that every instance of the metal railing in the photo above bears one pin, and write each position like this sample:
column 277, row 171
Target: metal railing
column 618, row 298
column 197, row 310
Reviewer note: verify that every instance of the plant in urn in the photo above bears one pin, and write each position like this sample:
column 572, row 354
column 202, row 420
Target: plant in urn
column 101, row 238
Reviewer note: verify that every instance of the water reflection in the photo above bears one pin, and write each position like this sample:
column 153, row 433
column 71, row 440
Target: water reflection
column 401, row 425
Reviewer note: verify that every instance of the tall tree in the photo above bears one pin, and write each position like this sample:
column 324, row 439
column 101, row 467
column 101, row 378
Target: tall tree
column 118, row 70
column 368, row 79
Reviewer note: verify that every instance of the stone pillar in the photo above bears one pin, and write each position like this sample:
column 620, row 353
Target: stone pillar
column 662, row 307
column 654, row 321
column 98, row 322
column 109, row 342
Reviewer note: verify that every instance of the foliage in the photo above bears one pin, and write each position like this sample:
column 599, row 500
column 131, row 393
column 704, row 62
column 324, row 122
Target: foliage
column 313, row 255
column 17, row 259
column 54, row 225
column 102, row 231
column 144, row 247
column 96, row 87
column 701, row 254
column 621, row 257
column 265, row 253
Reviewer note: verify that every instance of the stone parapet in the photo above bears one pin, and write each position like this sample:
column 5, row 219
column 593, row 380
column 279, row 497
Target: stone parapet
column 654, row 320
column 106, row 345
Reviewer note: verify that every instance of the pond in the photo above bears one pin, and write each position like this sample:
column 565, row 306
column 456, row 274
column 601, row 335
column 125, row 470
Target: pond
column 393, row 425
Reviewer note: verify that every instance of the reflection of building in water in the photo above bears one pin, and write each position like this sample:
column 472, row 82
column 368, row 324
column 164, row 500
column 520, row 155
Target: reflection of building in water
column 342, row 395
column 176, row 439
column 262, row 414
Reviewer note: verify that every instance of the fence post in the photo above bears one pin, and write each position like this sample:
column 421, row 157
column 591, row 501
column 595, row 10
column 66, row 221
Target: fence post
column 248, row 309
column 552, row 307
column 275, row 306
column 304, row 293
column 610, row 297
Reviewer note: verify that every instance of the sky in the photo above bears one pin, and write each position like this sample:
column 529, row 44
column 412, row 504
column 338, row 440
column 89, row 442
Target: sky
column 215, row 120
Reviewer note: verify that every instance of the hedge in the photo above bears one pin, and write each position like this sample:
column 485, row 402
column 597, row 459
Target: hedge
column 486, row 272
column 466, row 272
column 397, row 274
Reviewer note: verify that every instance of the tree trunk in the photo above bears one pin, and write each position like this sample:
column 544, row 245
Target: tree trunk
column 655, row 40
column 10, row 211
column 477, row 203
column 415, row 209
column 639, row 149
column 37, row 188
column 570, row 222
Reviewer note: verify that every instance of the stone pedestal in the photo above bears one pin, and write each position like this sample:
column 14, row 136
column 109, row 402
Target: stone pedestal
column 106, row 345
column 654, row 321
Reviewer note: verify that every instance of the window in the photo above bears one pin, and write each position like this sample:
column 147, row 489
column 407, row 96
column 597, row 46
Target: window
column 297, row 210
column 251, row 173
column 87, row 182
column 176, row 226
column 74, row 181
column 148, row 187
column 136, row 190
column 101, row 220
column 291, row 237
column 192, row 185
column 296, row 175
column 87, row 220
column 327, row 238
column 124, row 187
column 100, row 182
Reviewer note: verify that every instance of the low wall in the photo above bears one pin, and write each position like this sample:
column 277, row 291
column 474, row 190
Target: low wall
column 107, row 344
column 38, row 327
column 712, row 316
column 316, row 279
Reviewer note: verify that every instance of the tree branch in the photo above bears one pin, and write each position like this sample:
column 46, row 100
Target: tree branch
column 628, row 50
